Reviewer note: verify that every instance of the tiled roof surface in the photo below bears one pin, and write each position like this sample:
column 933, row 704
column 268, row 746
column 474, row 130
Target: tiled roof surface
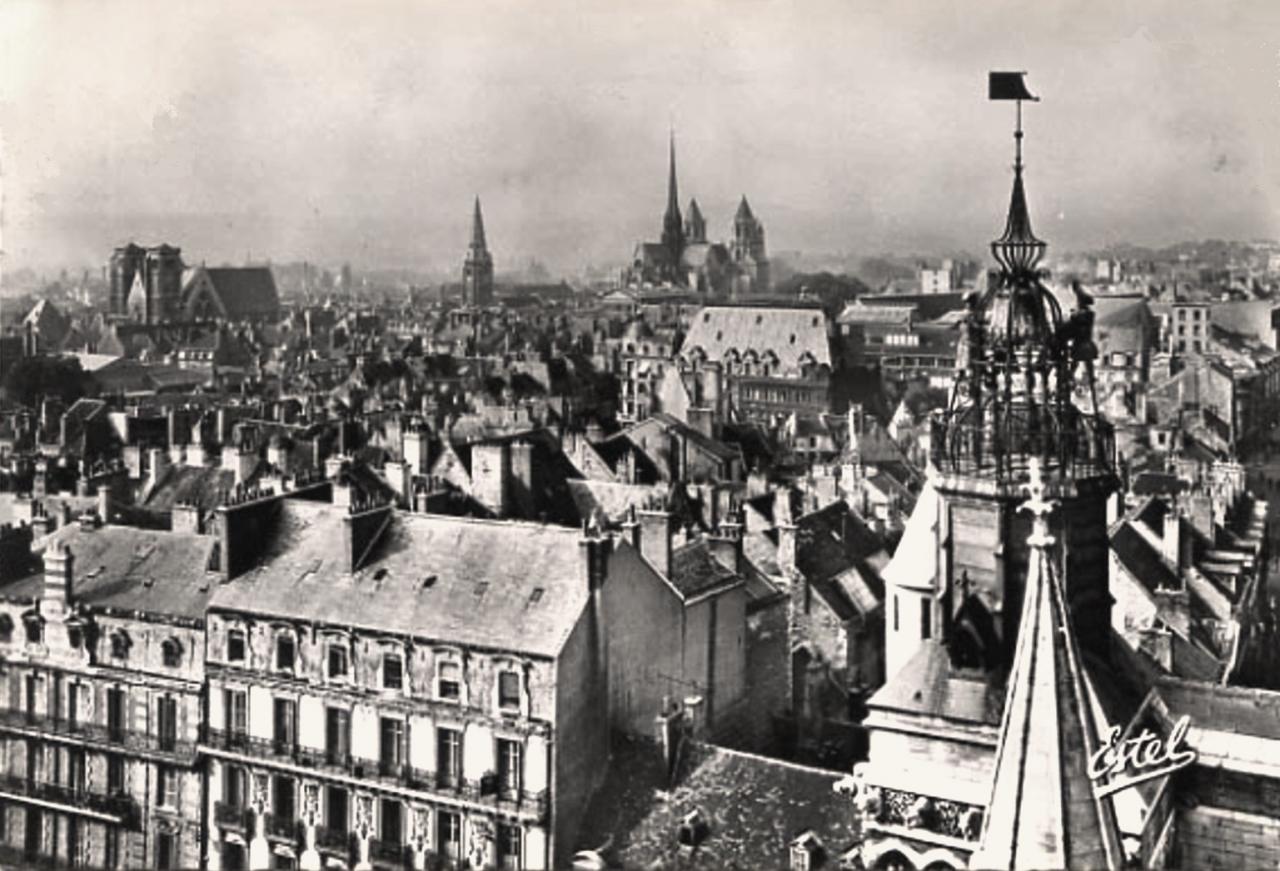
column 753, row 807
column 789, row 333
column 695, row 571
column 927, row 685
column 245, row 290
column 484, row 593
column 131, row 569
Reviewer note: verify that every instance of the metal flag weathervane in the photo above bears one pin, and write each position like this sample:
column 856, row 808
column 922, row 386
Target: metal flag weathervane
column 1010, row 86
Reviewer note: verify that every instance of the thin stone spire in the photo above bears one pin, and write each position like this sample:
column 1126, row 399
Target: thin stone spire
column 477, row 228
column 1043, row 811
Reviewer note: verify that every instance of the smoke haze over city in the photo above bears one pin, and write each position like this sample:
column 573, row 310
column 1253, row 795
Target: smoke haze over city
column 296, row 131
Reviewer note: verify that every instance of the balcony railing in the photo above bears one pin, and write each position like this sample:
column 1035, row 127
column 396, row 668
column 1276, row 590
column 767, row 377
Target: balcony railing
column 232, row 816
column 96, row 733
column 1001, row 443
column 333, row 840
column 386, row 852
column 281, row 827
column 122, row 807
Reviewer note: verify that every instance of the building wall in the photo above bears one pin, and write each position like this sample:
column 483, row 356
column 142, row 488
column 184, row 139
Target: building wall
column 1210, row 837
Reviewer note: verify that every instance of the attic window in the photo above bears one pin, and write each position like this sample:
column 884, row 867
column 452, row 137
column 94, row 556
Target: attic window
column 719, row 335
column 815, row 322
column 428, row 582
column 536, row 596
column 706, row 317
column 171, row 650
column 793, row 338
column 120, row 645
column 379, row 574
column 759, row 320
column 34, row 625
column 6, row 627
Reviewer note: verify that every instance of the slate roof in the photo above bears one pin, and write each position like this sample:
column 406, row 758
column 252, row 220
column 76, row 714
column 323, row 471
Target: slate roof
column 927, row 685
column 694, row 571
column 789, row 333
column 487, row 575
column 129, row 569
column 245, row 291
column 200, row 485
column 1140, row 559
column 753, row 807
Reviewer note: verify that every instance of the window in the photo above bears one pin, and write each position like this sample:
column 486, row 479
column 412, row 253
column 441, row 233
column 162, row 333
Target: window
column 34, row 624
column 73, row 705
column 391, row 745
column 392, row 672
column 120, row 645
column 167, row 722
column 6, row 627
column 337, row 736
column 337, row 661
column 897, row 612
column 509, row 690
column 449, row 682
column 235, row 785
column 389, row 821
column 115, row 714
column 235, row 645
column 171, row 651
column 284, row 652
column 237, row 711
column 335, row 808
column 285, row 730
column 111, row 848
column 509, row 843
column 283, row 792
column 508, row 767
column 449, row 835
column 166, row 786
column 166, row 850
column 449, row 756
column 115, row 775
column 926, row 618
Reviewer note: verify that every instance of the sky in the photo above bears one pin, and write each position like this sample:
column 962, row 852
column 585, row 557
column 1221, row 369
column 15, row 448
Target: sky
column 361, row 132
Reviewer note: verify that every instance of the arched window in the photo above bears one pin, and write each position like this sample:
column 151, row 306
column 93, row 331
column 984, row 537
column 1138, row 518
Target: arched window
column 171, row 651
column 34, row 625
column 120, row 644
column 6, row 627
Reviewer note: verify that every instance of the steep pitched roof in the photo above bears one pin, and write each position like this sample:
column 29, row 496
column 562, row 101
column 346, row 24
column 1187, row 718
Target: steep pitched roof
column 1043, row 811
column 791, row 334
column 245, row 291
column 503, row 585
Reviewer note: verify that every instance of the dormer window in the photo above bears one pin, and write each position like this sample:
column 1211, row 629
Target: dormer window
column 449, row 682
column 34, row 624
column 171, row 651
column 235, row 645
column 6, row 627
column 286, row 652
column 120, row 645
column 392, row 672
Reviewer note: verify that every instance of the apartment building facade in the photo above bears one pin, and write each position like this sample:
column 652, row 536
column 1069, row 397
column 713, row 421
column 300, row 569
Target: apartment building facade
column 102, row 658
column 361, row 715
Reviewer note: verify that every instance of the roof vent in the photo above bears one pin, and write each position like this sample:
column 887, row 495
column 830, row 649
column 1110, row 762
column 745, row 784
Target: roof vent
column 428, row 582
column 536, row 595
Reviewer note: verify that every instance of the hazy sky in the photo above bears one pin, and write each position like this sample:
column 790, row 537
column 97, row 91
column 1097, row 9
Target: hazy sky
column 361, row 131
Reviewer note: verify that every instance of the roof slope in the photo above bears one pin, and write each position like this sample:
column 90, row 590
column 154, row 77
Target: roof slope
column 1043, row 812
column 791, row 334
column 486, row 574
column 245, row 291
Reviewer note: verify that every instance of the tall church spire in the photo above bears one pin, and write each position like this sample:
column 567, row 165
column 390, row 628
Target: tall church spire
column 477, row 269
column 672, row 224
column 477, row 229
column 1043, row 811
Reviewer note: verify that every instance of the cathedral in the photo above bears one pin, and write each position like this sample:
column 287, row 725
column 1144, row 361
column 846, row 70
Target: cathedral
column 684, row 258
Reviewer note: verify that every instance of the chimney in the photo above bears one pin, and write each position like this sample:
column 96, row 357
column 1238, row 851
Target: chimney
column 785, row 525
column 58, row 574
column 701, row 419
column 41, row 522
column 133, row 461
column 490, row 477
column 64, row 514
column 399, row 477
column 185, row 517
column 1114, row 504
column 1171, row 539
column 175, row 428
column 656, row 538
column 158, row 464
column 521, row 489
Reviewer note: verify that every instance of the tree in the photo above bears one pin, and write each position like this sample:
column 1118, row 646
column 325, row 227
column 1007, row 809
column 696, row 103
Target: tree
column 31, row 379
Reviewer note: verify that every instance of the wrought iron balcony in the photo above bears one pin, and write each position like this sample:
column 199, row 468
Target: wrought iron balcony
column 333, row 840
column 112, row 736
column 281, row 827
column 387, row 852
column 1000, row 443
column 232, row 816
column 122, row 807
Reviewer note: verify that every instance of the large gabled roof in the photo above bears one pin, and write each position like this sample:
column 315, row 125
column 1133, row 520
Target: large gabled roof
column 792, row 335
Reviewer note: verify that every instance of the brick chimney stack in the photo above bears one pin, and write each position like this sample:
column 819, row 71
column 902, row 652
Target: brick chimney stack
column 656, row 533
column 58, row 573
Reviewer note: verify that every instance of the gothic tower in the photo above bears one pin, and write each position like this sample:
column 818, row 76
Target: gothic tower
column 1024, row 391
column 477, row 269
column 748, row 250
column 695, row 226
column 672, row 225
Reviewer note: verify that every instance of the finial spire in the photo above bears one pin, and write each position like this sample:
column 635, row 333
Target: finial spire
column 477, row 228
column 1017, row 250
